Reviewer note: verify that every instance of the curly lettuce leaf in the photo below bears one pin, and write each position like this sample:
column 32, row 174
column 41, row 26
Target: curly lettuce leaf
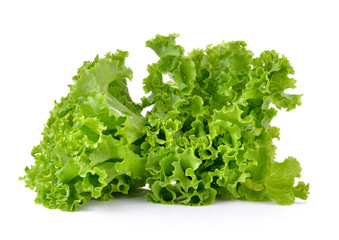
column 208, row 134
column 89, row 148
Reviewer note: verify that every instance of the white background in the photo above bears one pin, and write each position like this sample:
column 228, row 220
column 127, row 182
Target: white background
column 42, row 44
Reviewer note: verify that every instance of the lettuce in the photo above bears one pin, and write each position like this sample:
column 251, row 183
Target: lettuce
column 91, row 142
column 209, row 132
column 207, row 136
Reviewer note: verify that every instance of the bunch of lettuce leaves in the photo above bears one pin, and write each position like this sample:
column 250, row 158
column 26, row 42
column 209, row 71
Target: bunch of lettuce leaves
column 207, row 135
column 91, row 142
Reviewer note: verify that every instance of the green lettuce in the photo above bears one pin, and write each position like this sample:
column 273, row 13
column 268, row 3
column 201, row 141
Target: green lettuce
column 208, row 134
column 91, row 142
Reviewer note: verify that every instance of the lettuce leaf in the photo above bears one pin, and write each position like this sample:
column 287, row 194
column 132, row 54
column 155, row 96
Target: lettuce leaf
column 209, row 134
column 90, row 145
